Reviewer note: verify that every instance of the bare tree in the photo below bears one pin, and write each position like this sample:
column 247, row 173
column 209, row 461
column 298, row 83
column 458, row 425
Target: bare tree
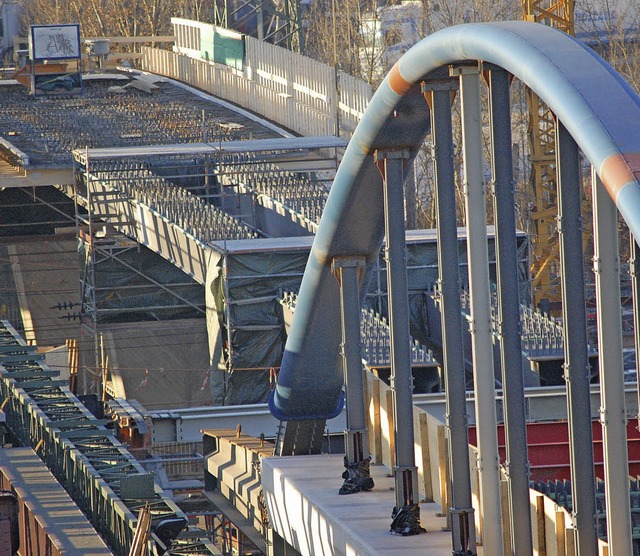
column 612, row 28
column 438, row 14
column 333, row 33
column 116, row 17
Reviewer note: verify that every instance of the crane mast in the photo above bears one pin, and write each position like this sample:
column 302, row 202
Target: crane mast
column 545, row 274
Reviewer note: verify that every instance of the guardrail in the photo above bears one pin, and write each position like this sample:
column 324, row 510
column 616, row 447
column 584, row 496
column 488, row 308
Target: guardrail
column 119, row 48
column 301, row 94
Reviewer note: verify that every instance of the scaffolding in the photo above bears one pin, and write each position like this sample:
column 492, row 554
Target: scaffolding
column 202, row 193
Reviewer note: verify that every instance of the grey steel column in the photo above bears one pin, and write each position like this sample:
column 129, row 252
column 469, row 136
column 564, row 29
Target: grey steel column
column 347, row 270
column 463, row 530
column 577, row 370
column 517, row 464
column 391, row 165
column 613, row 415
column 634, row 271
column 410, row 198
column 480, row 326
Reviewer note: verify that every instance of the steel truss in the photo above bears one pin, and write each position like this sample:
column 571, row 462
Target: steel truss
column 84, row 455
column 545, row 282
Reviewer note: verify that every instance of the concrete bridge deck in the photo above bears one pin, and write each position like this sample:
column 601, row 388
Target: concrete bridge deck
column 302, row 496
column 57, row 525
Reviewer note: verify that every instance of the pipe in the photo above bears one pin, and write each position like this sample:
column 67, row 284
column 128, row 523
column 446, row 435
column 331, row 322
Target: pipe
column 456, row 417
column 347, row 270
column 391, row 166
column 634, row 271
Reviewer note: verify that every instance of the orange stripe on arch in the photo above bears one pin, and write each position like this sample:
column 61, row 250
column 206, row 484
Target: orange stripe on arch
column 618, row 170
column 398, row 83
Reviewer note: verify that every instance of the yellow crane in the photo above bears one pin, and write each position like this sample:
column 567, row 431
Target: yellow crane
column 542, row 183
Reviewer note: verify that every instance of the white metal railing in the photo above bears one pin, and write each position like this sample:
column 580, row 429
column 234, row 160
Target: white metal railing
column 188, row 36
column 299, row 93
column 354, row 97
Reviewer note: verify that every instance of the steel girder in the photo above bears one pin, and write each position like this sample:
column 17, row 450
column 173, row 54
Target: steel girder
column 79, row 449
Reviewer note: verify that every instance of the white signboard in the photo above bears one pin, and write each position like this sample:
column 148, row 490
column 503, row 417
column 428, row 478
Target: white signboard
column 55, row 42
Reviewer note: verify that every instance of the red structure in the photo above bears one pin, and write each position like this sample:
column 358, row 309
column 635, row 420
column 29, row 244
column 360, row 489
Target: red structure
column 548, row 445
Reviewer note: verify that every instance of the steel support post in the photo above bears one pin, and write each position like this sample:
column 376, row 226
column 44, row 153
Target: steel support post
column 348, row 271
column 634, row 270
column 517, row 465
column 613, row 417
column 410, row 198
column 463, row 530
column 392, row 167
column 480, row 300
column 577, row 371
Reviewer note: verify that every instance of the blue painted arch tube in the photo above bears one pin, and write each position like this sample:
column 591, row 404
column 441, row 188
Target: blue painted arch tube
column 594, row 103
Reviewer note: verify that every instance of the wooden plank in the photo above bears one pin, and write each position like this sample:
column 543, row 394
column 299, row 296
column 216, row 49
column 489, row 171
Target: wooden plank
column 540, row 537
column 423, row 432
column 388, row 394
column 443, row 466
column 374, row 415
column 570, row 541
column 560, row 532
column 475, row 492
column 36, row 177
column 506, row 522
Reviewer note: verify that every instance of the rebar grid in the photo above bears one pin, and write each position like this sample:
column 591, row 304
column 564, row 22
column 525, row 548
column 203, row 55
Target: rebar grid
column 48, row 129
column 296, row 190
column 375, row 337
column 136, row 180
column 541, row 335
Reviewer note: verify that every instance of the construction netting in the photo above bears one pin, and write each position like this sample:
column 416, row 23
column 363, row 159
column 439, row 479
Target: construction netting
column 247, row 279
